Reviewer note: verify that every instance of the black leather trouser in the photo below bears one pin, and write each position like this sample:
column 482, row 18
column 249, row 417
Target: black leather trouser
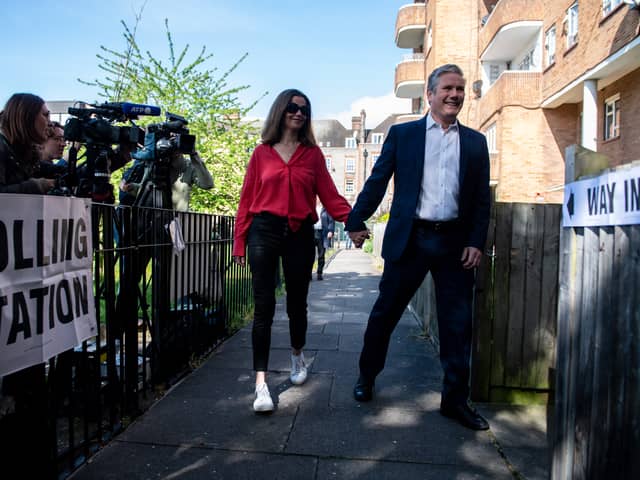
column 269, row 240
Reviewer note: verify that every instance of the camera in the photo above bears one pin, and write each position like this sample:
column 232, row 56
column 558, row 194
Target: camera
column 163, row 143
column 164, row 139
column 93, row 127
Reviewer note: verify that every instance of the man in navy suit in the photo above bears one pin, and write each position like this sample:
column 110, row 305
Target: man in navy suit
column 438, row 222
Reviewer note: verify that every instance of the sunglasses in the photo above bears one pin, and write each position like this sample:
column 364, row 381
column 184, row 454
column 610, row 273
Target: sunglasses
column 294, row 107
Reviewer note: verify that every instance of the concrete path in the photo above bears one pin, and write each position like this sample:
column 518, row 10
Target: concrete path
column 205, row 428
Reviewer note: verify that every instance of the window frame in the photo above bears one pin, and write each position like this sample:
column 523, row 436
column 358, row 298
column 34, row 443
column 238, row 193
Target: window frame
column 350, row 142
column 491, row 134
column 611, row 118
column 572, row 20
column 350, row 165
column 550, row 57
column 349, row 186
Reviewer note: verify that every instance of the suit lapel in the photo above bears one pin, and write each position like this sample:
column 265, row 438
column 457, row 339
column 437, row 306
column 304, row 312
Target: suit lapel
column 464, row 148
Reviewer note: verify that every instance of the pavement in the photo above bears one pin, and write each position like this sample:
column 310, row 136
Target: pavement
column 205, row 428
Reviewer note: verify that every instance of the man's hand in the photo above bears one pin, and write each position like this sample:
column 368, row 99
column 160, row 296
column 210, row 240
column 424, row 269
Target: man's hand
column 239, row 261
column 329, row 234
column 358, row 238
column 471, row 257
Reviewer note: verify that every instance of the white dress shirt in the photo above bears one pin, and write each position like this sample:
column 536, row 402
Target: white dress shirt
column 440, row 180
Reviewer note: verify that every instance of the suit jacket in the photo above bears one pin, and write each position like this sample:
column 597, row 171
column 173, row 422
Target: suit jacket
column 328, row 225
column 402, row 157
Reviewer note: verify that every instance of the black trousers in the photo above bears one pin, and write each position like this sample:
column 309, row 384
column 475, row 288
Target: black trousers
column 438, row 252
column 269, row 240
column 320, row 250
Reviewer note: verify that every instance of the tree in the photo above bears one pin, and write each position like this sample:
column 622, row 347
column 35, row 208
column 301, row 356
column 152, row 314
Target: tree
column 200, row 94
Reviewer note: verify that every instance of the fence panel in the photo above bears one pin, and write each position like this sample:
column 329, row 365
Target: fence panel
column 596, row 428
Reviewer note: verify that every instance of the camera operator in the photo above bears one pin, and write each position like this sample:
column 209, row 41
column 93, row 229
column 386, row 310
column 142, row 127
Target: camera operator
column 183, row 174
column 23, row 128
column 24, row 423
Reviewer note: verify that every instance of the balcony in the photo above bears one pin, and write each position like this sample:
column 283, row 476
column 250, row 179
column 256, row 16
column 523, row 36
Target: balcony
column 510, row 28
column 411, row 25
column 513, row 87
column 410, row 76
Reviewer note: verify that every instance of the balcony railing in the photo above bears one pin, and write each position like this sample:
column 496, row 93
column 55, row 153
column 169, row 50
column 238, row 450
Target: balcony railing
column 410, row 76
column 509, row 28
column 513, row 87
column 411, row 25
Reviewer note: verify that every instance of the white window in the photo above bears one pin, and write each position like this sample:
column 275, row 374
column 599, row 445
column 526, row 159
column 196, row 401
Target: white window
column 609, row 5
column 348, row 186
column 350, row 166
column 350, row 142
column 572, row 25
column 527, row 61
column 328, row 160
column 377, row 138
column 550, row 46
column 612, row 117
column 492, row 140
column 494, row 73
column 328, row 144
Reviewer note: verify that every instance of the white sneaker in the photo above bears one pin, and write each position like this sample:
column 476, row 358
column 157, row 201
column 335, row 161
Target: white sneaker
column 298, row 369
column 263, row 402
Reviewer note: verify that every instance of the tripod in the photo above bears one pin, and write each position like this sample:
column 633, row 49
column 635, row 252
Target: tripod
column 145, row 239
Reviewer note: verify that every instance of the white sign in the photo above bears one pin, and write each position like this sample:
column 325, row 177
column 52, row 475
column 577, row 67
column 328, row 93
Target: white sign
column 613, row 198
column 46, row 284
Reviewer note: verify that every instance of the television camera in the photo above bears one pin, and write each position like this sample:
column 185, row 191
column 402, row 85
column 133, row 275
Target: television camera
column 93, row 127
column 163, row 143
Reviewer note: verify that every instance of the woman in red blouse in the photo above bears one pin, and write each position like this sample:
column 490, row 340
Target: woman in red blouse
column 275, row 220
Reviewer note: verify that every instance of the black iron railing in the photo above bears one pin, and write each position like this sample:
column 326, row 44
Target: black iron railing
column 160, row 310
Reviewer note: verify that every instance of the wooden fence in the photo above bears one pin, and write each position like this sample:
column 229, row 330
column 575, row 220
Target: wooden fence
column 596, row 430
column 515, row 305
column 597, row 421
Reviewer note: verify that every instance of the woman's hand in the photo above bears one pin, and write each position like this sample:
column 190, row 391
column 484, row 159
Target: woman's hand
column 238, row 260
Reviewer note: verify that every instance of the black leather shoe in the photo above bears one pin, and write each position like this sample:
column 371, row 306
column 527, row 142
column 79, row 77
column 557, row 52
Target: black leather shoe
column 319, row 276
column 363, row 391
column 465, row 415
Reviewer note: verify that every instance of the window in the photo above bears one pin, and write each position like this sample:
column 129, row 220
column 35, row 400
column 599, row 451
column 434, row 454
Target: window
column 328, row 161
column 609, row 5
column 350, row 166
column 350, row 142
column 328, row 144
column 348, row 186
column 494, row 73
column 612, row 117
column 492, row 140
column 376, row 138
column 572, row 25
column 550, row 46
column 527, row 62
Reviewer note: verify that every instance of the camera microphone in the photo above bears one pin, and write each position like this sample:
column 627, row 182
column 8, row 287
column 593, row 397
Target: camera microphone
column 133, row 109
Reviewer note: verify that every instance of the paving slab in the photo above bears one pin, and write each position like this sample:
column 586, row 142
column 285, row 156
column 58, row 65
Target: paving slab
column 204, row 427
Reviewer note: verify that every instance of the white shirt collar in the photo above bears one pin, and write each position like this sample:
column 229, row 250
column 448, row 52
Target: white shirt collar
column 431, row 123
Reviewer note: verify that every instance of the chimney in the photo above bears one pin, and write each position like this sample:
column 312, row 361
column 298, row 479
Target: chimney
column 362, row 134
column 356, row 125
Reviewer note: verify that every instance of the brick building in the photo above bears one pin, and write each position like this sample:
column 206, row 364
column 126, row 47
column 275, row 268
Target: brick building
column 542, row 75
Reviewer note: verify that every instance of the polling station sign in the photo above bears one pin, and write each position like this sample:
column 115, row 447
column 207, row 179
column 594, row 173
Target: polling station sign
column 46, row 285
column 612, row 198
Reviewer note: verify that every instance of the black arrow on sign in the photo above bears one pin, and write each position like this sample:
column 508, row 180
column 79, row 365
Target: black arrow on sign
column 570, row 205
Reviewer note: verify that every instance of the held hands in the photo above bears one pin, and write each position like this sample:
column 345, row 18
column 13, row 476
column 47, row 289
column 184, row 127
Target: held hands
column 239, row 260
column 470, row 257
column 358, row 238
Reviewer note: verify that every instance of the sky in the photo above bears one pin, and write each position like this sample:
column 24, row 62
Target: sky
column 340, row 53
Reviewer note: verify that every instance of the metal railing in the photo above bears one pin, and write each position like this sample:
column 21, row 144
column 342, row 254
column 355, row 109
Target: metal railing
column 159, row 313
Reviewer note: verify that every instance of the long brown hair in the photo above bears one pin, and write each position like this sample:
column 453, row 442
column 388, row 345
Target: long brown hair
column 273, row 125
column 18, row 122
